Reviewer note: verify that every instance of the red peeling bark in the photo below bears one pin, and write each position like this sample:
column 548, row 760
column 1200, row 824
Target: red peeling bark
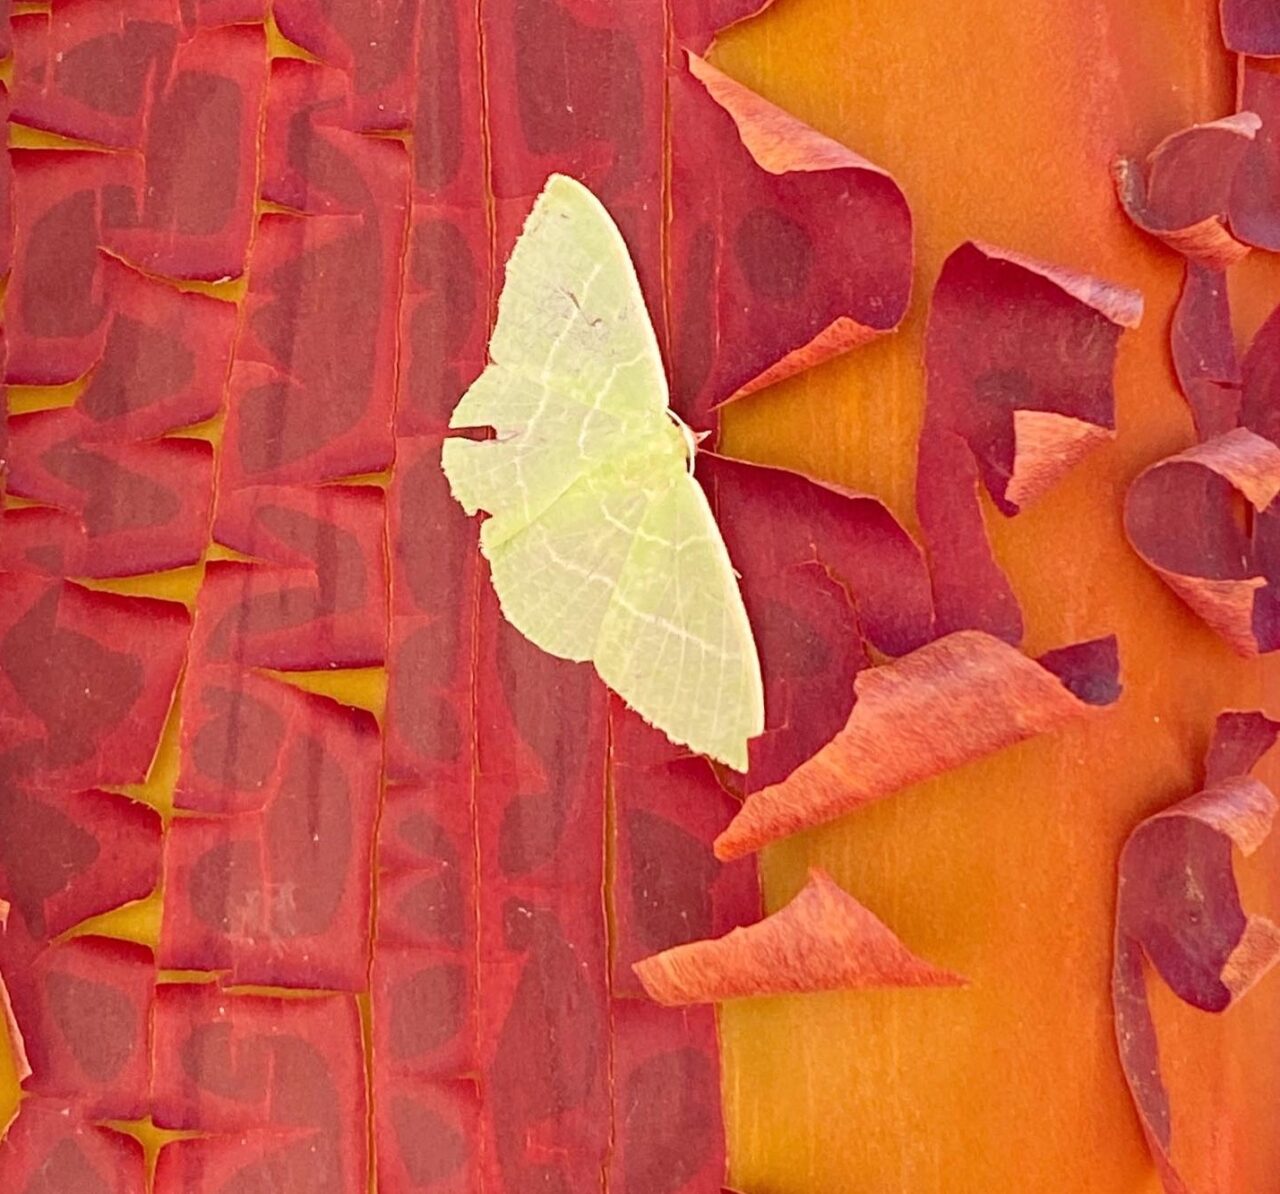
column 697, row 22
column 1225, row 570
column 314, row 379
column 823, row 940
column 142, row 507
column 314, row 160
column 957, row 699
column 277, row 894
column 1178, row 906
column 12, row 1033
column 86, row 680
column 49, row 1148
column 84, row 1007
column 424, row 980
column 89, row 69
column 6, row 217
column 823, row 571
column 316, row 595
column 544, row 1011
column 278, row 1084
column 1019, row 358
column 443, row 320
column 374, row 45
column 56, row 305
column 66, row 856
column 425, row 997
column 208, row 14
column 430, row 658
column 192, row 214
column 601, row 122
column 763, row 284
column 164, row 363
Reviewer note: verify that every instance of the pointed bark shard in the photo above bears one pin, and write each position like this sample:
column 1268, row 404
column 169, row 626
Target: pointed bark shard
column 823, row 940
column 955, row 700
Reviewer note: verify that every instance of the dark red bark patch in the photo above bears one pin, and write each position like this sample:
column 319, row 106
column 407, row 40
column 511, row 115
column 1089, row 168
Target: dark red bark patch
column 443, row 324
column 1204, row 352
column 424, row 1133
column 670, row 1139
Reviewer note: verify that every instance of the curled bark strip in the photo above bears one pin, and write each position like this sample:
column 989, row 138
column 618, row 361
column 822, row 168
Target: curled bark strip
column 823, row 940
column 1183, row 196
column 1178, row 905
column 1224, row 567
column 1019, row 356
column 957, row 699
column 1255, row 192
column 765, row 283
column 698, row 22
column 1260, row 381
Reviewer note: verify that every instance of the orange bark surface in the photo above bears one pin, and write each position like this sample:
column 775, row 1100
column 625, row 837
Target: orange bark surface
column 1000, row 121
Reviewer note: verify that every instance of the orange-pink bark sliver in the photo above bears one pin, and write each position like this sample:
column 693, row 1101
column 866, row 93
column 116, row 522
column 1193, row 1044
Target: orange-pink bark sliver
column 958, row 698
column 823, row 940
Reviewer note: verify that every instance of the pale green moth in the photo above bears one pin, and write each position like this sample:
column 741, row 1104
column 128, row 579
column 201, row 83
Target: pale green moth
column 601, row 545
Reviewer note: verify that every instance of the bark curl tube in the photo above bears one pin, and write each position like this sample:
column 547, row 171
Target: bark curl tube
column 1179, row 908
